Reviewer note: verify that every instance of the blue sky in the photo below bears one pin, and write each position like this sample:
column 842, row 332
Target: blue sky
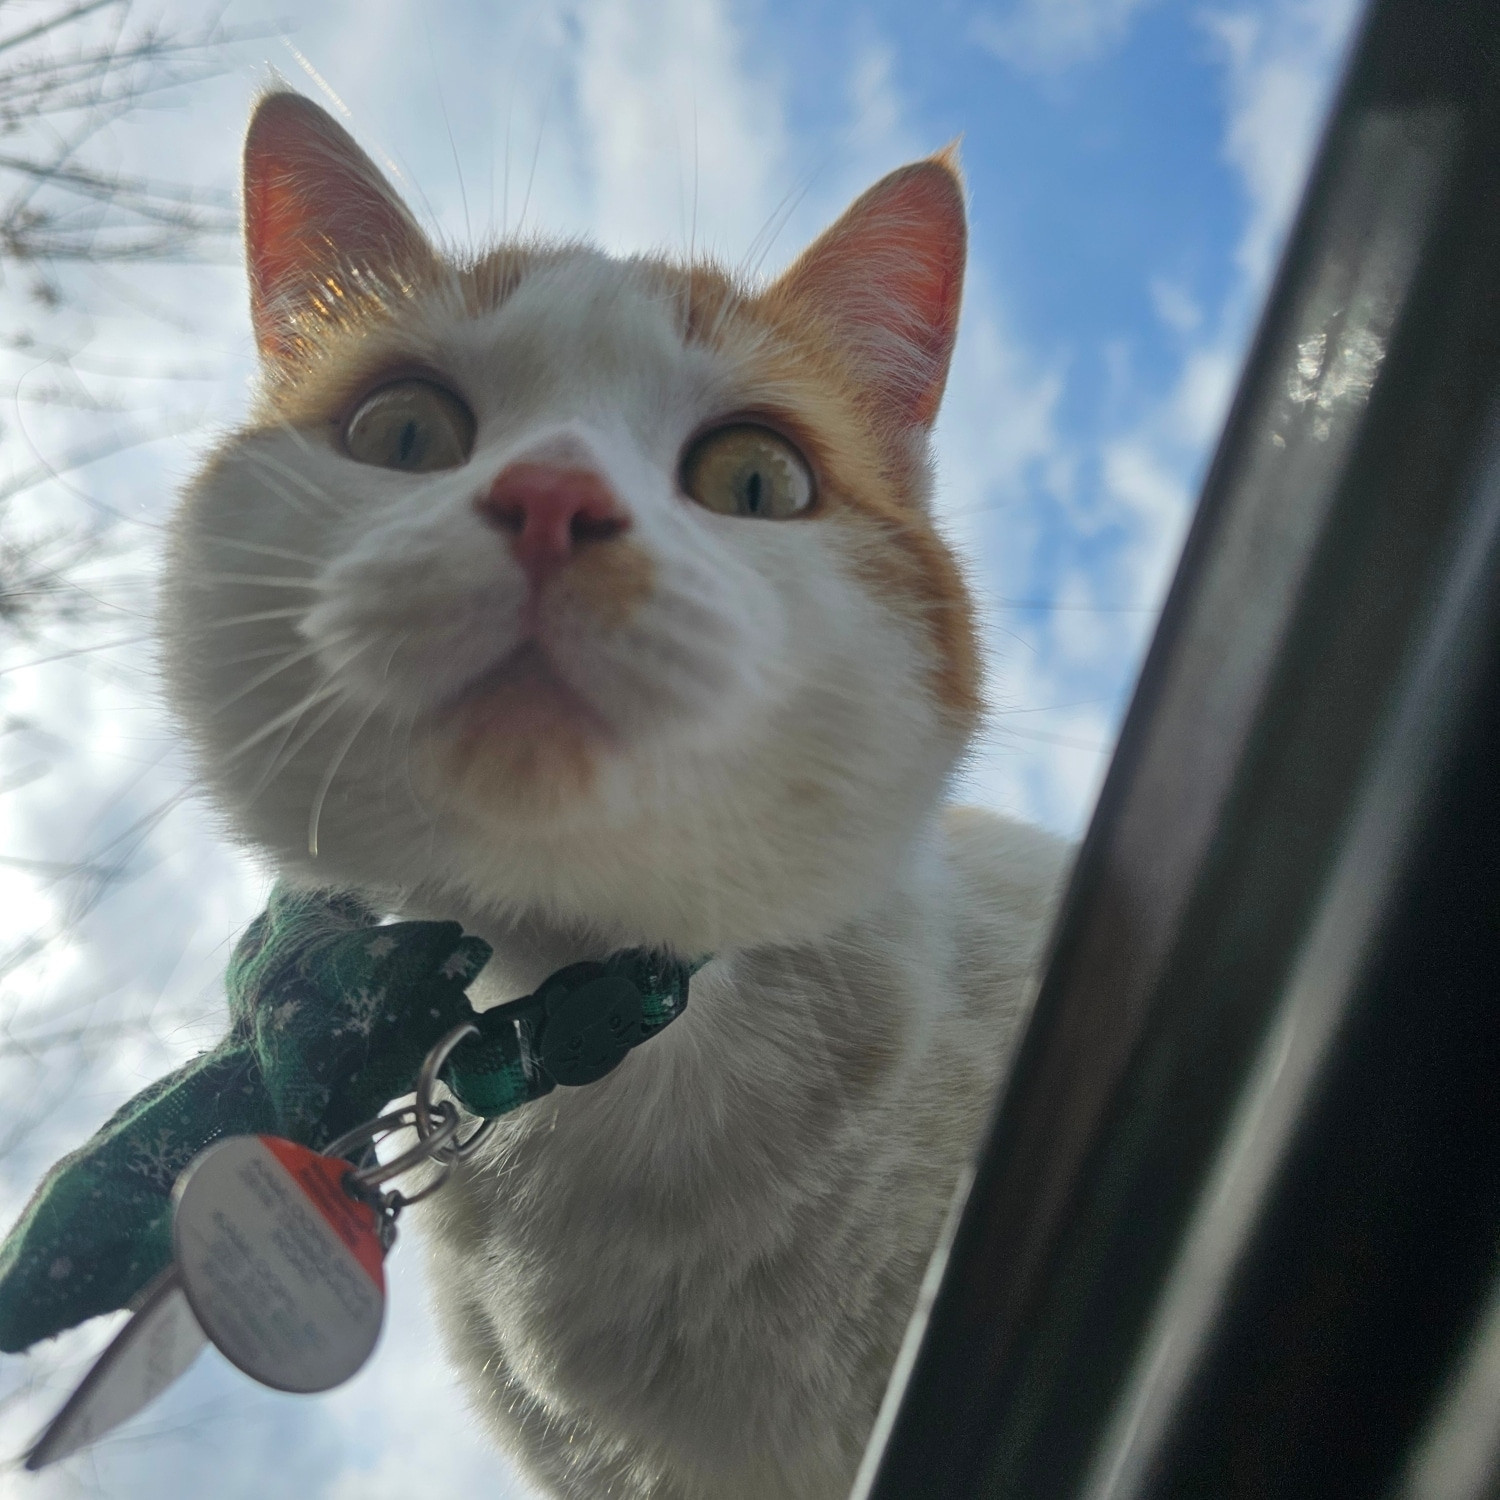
column 1132, row 165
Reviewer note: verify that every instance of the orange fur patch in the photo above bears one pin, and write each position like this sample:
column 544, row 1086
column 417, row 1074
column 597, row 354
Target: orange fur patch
column 869, row 481
column 519, row 746
column 613, row 577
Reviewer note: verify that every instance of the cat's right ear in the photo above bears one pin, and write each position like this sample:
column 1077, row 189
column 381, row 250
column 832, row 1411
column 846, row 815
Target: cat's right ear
column 317, row 210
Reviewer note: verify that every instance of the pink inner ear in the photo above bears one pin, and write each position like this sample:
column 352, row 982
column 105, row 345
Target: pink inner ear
column 314, row 204
column 890, row 273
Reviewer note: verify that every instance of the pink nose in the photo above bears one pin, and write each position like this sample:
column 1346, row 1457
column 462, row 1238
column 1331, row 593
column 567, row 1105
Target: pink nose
column 549, row 512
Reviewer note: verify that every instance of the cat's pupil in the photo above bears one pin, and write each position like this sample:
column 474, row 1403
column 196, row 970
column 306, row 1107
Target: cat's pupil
column 752, row 492
column 407, row 443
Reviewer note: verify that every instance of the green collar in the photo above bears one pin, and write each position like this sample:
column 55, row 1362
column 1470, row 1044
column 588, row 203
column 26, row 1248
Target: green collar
column 331, row 1014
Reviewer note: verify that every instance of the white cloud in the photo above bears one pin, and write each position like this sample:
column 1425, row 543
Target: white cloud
column 1143, row 480
column 683, row 142
column 1278, row 59
column 1045, row 36
column 1129, row 518
column 1044, row 749
column 1205, row 384
column 1175, row 305
column 874, row 105
column 997, row 428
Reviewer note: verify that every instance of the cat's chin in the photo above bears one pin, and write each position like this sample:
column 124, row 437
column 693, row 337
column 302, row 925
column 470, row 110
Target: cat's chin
column 517, row 736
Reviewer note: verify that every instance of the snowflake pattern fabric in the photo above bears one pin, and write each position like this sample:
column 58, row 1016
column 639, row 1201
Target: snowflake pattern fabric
column 331, row 1014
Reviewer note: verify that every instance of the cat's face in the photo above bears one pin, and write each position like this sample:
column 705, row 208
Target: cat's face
column 597, row 590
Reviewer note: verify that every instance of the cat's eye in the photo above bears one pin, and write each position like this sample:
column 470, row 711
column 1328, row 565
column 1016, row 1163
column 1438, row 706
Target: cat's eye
column 411, row 425
column 745, row 470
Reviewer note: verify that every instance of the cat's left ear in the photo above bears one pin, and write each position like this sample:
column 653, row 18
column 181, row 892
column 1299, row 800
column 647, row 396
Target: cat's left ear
column 317, row 210
column 887, row 280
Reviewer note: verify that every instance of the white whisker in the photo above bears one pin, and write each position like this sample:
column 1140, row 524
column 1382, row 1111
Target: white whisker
column 316, row 812
column 288, row 749
column 263, row 549
column 260, row 580
column 290, row 715
column 281, row 492
column 270, row 464
column 308, row 487
column 259, row 655
column 263, row 677
column 292, row 613
column 423, row 811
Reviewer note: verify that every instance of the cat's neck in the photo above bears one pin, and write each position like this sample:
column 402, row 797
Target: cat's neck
column 530, row 946
column 527, row 948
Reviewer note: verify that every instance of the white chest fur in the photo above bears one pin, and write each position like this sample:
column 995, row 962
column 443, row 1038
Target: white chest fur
column 691, row 1278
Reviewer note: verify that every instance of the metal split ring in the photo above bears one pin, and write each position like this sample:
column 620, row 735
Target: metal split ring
column 450, row 1148
column 433, row 1146
column 436, row 1123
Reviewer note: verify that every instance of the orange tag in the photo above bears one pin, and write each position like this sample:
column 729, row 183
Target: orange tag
column 322, row 1179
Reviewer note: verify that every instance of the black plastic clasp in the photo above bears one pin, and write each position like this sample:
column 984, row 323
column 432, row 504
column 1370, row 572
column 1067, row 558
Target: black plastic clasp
column 593, row 1018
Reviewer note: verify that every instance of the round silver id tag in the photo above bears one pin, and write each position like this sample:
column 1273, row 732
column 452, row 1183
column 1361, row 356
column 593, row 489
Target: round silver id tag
column 282, row 1267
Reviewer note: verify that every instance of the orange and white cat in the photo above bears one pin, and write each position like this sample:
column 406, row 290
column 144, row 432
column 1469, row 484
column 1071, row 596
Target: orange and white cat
column 596, row 603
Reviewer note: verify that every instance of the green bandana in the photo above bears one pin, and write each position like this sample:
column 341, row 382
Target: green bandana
column 331, row 1014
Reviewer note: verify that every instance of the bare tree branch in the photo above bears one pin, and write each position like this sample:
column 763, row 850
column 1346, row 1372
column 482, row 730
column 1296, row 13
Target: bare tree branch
column 70, row 71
